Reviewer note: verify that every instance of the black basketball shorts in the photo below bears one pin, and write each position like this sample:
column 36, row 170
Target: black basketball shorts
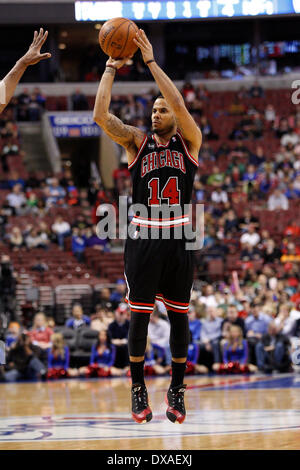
column 158, row 269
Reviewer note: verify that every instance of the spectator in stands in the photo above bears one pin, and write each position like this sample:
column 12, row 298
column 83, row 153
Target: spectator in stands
column 14, row 179
column 59, row 359
column 272, row 351
column 232, row 318
column 12, row 334
column 93, row 191
column 286, row 322
column 118, row 294
column 219, row 196
column 15, row 239
column 207, row 130
column 35, row 240
column 211, row 334
column 23, row 361
column 118, row 332
column 194, row 324
column 249, row 252
column 78, row 243
column 61, row 229
column 231, row 223
column 237, row 107
column 278, row 201
column 3, row 222
column 235, row 350
column 40, row 334
column 271, row 252
column 103, row 358
column 256, row 326
column 152, row 364
column 78, row 319
column 247, row 219
column 104, row 299
column 270, row 113
column 291, row 253
column 159, row 334
column 55, row 193
column 16, row 199
column 256, row 91
column 9, row 147
column 216, row 178
column 93, row 241
column 251, row 236
column 79, row 101
column 282, row 128
column 100, row 319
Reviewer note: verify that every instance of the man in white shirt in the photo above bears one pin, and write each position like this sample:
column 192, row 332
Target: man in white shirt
column 32, row 56
column 62, row 229
column 251, row 237
column 218, row 195
column 16, row 199
column 278, row 201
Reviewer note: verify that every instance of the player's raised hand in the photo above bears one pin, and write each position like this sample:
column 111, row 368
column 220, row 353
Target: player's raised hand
column 33, row 55
column 117, row 63
column 144, row 44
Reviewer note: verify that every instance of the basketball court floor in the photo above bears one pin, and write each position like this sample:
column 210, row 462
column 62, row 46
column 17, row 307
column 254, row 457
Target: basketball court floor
column 255, row 412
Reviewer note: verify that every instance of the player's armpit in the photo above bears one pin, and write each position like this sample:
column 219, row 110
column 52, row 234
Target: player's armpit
column 189, row 129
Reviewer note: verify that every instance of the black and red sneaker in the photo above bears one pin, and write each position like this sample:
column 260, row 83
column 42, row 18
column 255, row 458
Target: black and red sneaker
column 175, row 401
column 141, row 411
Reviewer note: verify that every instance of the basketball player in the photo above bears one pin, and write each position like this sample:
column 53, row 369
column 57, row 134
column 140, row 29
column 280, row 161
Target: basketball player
column 162, row 166
column 32, row 56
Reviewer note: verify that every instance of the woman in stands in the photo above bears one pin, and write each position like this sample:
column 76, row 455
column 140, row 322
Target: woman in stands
column 16, row 240
column 235, row 353
column 59, row 359
column 102, row 359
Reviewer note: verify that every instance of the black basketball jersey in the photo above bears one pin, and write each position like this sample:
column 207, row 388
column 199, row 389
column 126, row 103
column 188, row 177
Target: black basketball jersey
column 162, row 175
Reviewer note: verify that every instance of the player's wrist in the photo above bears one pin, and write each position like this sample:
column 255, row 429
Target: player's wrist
column 109, row 68
column 22, row 62
column 150, row 61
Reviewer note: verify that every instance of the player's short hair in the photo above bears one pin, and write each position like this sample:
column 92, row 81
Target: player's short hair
column 159, row 97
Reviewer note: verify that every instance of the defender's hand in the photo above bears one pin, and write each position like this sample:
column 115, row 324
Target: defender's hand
column 144, row 44
column 118, row 63
column 33, row 55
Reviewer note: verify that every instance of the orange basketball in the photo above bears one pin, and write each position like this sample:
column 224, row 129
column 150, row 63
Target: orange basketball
column 116, row 38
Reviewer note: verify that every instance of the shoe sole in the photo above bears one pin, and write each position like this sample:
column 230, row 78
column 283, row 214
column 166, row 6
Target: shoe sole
column 172, row 416
column 148, row 418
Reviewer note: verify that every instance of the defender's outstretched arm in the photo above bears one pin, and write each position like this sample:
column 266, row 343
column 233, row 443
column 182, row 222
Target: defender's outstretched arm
column 32, row 56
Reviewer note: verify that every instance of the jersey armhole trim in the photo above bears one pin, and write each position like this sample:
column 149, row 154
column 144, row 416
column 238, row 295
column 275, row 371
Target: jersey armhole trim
column 138, row 153
column 186, row 149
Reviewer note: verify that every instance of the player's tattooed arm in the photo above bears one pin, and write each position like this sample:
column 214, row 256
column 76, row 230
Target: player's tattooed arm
column 128, row 136
column 121, row 133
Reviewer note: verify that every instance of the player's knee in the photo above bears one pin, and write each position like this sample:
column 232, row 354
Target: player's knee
column 180, row 334
column 137, row 335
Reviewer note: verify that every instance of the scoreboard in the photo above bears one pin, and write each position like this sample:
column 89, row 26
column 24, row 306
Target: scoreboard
column 182, row 9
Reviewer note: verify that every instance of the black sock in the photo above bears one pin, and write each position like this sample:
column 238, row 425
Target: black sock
column 178, row 370
column 137, row 372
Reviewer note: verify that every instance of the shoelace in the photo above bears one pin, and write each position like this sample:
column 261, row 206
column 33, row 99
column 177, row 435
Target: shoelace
column 177, row 397
column 140, row 397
